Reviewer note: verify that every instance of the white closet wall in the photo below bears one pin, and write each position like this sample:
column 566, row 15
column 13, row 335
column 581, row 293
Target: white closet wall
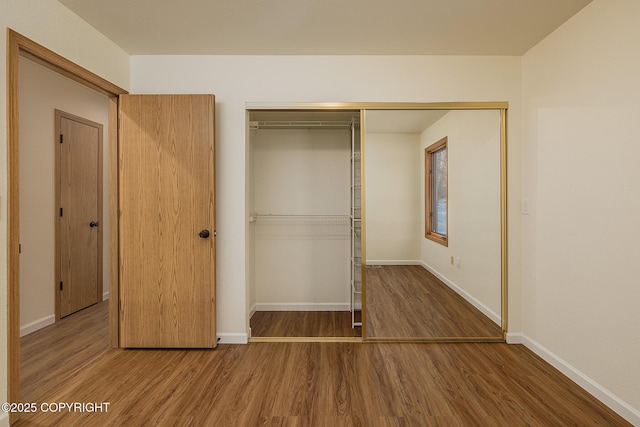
column 301, row 229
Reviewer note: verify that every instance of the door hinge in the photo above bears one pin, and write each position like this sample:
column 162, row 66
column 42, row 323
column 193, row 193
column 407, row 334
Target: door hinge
column 61, row 285
column 215, row 233
column 19, row 248
column 60, row 211
column 61, row 138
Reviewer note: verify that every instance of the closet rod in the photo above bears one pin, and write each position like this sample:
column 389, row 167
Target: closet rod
column 306, row 219
column 285, row 216
column 302, row 124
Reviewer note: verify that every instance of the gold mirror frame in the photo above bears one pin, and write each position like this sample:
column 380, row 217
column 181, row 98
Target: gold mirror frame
column 502, row 107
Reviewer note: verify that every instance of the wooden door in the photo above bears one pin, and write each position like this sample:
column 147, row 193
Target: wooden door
column 79, row 191
column 167, row 222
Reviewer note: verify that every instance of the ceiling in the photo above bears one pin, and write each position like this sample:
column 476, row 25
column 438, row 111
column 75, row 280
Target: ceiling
column 326, row 27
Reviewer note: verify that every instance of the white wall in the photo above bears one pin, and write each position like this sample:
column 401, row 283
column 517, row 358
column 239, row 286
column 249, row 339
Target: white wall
column 581, row 282
column 393, row 197
column 41, row 92
column 236, row 80
column 53, row 25
column 301, row 263
column 473, row 148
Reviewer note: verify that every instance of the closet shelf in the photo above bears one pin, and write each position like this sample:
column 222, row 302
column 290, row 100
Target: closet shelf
column 356, row 225
column 357, row 287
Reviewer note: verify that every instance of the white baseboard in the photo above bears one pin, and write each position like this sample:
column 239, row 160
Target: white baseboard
column 464, row 294
column 302, row 306
column 232, row 338
column 4, row 419
column 252, row 311
column 105, row 296
column 393, row 262
column 617, row 405
column 38, row 324
column 515, row 338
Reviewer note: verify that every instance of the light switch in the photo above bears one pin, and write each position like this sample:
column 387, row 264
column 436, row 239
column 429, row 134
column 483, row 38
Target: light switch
column 525, row 207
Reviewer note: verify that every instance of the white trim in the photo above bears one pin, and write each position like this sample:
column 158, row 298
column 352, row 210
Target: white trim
column 616, row 404
column 4, row 419
column 393, row 262
column 307, row 339
column 464, row 294
column 105, row 296
column 36, row 325
column 231, row 338
column 252, row 311
column 302, row 306
column 515, row 338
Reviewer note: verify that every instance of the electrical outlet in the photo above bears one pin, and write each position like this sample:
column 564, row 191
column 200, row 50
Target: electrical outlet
column 452, row 260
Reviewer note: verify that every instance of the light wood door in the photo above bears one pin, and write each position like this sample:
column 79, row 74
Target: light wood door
column 167, row 206
column 79, row 183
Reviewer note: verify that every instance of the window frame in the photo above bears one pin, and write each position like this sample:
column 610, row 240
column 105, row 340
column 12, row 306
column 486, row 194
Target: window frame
column 429, row 182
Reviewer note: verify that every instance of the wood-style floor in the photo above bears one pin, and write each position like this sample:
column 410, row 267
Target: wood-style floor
column 409, row 301
column 303, row 324
column 296, row 384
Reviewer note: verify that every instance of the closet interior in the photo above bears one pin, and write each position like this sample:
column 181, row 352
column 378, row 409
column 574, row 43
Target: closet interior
column 304, row 205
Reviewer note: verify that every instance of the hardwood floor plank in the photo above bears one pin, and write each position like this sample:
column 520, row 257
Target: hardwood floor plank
column 303, row 324
column 302, row 384
column 408, row 301
column 39, row 374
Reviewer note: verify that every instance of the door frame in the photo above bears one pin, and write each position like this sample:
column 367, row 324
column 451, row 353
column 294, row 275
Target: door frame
column 19, row 45
column 59, row 115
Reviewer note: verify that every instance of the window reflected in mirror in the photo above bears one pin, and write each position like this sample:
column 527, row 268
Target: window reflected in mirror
column 436, row 186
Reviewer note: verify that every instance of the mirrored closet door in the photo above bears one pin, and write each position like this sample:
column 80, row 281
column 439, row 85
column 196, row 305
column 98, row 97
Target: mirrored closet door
column 385, row 221
column 433, row 197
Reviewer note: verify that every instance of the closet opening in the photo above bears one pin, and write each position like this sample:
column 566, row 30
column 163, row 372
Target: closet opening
column 336, row 208
column 305, row 272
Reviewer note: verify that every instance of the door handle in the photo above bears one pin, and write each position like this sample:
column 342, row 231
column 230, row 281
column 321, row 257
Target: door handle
column 204, row 234
column 94, row 224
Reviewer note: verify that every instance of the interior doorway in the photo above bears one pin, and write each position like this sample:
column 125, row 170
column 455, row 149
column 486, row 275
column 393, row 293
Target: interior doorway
column 42, row 92
column 19, row 47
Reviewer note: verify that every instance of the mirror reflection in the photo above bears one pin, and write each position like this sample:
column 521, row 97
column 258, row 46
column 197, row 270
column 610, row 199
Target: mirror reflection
column 433, row 225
